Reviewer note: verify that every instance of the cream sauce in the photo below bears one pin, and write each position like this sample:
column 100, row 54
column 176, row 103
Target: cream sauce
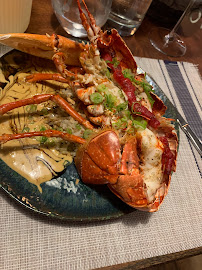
column 37, row 163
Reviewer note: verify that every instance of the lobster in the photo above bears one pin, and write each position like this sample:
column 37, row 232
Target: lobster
column 137, row 165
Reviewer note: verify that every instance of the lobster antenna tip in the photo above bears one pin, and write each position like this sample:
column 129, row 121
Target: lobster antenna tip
column 89, row 24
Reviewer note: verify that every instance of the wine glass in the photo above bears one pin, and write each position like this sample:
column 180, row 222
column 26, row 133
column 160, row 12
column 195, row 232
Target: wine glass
column 168, row 41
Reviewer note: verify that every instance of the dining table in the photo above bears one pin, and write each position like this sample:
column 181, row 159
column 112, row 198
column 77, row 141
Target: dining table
column 137, row 239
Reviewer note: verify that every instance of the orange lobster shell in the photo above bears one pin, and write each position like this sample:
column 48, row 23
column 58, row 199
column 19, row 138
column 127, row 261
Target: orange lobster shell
column 104, row 158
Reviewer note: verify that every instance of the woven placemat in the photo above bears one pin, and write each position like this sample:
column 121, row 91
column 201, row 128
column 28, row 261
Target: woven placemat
column 30, row 241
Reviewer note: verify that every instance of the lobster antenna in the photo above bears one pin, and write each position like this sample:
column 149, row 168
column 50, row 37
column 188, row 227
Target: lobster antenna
column 91, row 28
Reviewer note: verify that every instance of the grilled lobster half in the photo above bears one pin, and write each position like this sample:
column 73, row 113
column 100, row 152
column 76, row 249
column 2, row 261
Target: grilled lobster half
column 132, row 147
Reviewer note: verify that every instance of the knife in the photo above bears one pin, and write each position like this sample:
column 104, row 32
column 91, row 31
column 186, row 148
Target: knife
column 179, row 119
column 188, row 131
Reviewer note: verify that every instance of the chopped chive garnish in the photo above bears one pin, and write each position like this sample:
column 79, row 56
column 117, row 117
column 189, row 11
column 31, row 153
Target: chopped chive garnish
column 44, row 111
column 102, row 88
column 25, row 129
column 31, row 108
column 107, row 73
column 87, row 133
column 115, row 62
column 68, row 130
column 117, row 125
column 126, row 114
column 42, row 139
column 96, row 98
column 122, row 106
column 124, row 119
column 139, row 123
column 146, row 86
column 60, row 129
column 78, row 126
column 42, row 128
column 110, row 101
column 130, row 130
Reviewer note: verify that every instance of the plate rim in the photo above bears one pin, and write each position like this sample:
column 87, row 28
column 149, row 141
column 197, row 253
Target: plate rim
column 77, row 219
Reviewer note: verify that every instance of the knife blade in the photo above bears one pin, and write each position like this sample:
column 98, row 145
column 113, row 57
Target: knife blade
column 189, row 132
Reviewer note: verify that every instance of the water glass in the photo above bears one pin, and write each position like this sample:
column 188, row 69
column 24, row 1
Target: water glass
column 127, row 15
column 14, row 15
column 68, row 15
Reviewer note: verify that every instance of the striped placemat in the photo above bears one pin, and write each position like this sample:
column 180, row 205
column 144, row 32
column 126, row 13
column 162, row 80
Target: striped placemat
column 29, row 241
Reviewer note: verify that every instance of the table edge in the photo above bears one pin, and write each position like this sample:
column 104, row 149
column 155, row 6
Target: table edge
column 144, row 263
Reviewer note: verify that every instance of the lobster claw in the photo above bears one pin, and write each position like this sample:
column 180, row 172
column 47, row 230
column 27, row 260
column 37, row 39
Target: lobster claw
column 45, row 46
column 97, row 160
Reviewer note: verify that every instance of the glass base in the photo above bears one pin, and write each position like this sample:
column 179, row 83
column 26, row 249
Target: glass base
column 171, row 45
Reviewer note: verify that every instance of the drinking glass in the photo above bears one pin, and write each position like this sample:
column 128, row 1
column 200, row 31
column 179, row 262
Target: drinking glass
column 168, row 41
column 127, row 15
column 14, row 15
column 68, row 15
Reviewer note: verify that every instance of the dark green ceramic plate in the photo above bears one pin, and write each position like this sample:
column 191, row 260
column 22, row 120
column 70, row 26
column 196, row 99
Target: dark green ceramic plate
column 63, row 197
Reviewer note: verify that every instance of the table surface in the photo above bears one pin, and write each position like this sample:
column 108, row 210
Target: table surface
column 139, row 43
column 140, row 46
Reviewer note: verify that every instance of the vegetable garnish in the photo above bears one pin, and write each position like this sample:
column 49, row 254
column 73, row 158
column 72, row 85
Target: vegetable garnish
column 125, row 80
column 146, row 86
column 110, row 101
column 102, row 88
column 96, row 98
column 122, row 106
column 87, row 133
column 68, row 130
column 114, row 62
column 25, row 129
column 139, row 123
column 31, row 108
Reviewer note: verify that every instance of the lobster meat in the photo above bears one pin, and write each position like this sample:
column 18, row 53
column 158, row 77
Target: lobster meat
column 135, row 165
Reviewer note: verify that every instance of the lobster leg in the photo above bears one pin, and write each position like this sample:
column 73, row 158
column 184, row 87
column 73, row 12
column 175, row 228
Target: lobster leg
column 42, row 98
column 59, row 61
column 64, row 76
column 46, row 76
column 47, row 133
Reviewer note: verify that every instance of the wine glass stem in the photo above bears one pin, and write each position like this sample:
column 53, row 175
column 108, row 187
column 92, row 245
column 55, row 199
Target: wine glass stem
column 181, row 18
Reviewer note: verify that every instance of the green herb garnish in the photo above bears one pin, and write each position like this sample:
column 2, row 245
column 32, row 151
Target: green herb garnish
column 31, row 108
column 122, row 106
column 146, row 86
column 44, row 111
column 114, row 62
column 69, row 131
column 96, row 98
column 102, row 88
column 25, row 129
column 42, row 128
column 87, row 133
column 117, row 124
column 139, row 123
column 78, row 126
column 110, row 101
